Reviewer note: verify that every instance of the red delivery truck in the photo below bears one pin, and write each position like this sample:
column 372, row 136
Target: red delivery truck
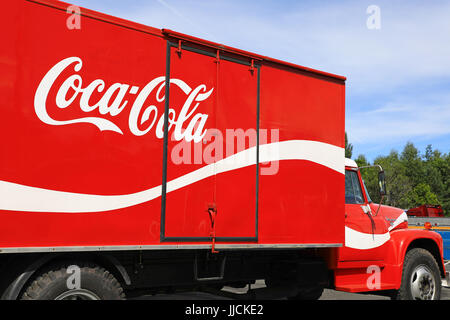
column 142, row 159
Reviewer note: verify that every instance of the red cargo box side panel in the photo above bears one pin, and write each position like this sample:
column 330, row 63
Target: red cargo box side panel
column 83, row 159
column 64, row 166
column 301, row 201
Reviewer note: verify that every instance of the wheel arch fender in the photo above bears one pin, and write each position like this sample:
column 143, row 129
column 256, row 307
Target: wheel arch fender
column 23, row 267
column 18, row 271
column 407, row 239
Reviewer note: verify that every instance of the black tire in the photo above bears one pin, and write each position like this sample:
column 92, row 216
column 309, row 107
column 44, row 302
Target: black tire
column 96, row 283
column 421, row 278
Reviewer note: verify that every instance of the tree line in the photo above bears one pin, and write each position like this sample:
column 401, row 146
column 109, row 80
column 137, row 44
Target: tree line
column 413, row 178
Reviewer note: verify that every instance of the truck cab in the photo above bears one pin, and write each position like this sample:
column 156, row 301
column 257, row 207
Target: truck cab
column 380, row 252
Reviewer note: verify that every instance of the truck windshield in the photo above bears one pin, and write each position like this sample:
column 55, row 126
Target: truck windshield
column 367, row 193
column 353, row 192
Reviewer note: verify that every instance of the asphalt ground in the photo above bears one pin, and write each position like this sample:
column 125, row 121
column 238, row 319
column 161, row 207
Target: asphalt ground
column 327, row 295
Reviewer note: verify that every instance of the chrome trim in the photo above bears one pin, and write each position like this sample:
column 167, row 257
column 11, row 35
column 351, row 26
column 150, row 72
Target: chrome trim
column 169, row 247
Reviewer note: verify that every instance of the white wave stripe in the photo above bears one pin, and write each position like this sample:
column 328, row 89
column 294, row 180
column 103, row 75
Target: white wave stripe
column 16, row 197
column 363, row 241
column 402, row 218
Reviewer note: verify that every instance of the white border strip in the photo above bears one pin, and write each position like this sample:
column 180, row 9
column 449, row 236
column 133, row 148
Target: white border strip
column 168, row 247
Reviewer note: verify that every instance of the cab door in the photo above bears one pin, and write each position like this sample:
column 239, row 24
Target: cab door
column 366, row 233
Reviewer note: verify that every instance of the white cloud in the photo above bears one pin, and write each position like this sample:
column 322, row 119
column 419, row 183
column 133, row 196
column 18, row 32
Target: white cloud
column 412, row 44
column 393, row 66
column 404, row 116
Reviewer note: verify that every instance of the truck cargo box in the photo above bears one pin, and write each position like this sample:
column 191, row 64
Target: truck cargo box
column 122, row 136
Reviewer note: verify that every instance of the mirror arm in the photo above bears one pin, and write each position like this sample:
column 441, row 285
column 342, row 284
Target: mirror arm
column 372, row 166
column 379, row 205
column 380, row 168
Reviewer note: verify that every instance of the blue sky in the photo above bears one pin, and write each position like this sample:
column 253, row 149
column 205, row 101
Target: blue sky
column 398, row 86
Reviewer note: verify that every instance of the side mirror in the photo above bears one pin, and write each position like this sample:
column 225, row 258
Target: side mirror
column 382, row 183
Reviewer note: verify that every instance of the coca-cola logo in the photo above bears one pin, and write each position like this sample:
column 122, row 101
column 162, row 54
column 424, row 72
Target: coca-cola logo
column 114, row 100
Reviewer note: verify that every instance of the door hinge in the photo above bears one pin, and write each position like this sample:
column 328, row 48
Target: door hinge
column 178, row 51
column 217, row 60
column 252, row 66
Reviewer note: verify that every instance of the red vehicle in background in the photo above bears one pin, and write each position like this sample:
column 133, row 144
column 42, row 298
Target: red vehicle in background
column 426, row 210
column 149, row 160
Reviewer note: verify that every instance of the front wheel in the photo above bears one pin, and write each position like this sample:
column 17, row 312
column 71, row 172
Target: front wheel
column 421, row 278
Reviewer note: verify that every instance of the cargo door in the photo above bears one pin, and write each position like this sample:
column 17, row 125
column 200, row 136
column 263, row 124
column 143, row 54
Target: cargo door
column 236, row 174
column 188, row 182
column 210, row 170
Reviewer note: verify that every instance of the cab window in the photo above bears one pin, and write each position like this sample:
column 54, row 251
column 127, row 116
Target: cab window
column 369, row 200
column 353, row 193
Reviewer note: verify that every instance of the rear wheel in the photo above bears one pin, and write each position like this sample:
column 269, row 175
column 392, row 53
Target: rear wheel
column 421, row 278
column 74, row 282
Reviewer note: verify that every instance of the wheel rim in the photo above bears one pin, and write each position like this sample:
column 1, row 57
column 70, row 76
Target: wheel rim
column 423, row 284
column 78, row 294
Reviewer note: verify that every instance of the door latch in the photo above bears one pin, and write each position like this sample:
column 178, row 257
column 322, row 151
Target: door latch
column 212, row 211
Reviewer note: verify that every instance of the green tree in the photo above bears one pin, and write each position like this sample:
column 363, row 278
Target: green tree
column 348, row 147
column 412, row 179
column 370, row 177
column 397, row 180
column 411, row 160
column 362, row 161
column 434, row 171
column 421, row 194
column 445, row 198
